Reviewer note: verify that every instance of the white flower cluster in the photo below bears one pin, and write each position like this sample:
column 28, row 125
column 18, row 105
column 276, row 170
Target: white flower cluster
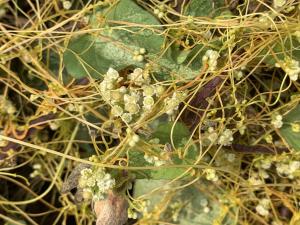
column 263, row 207
column 238, row 74
column 265, row 20
column 211, row 174
column 291, row 67
column 286, row 166
column 130, row 103
column 139, row 55
column 211, row 58
column 154, row 160
column 212, row 136
column 295, row 127
column 131, row 213
column 226, row 138
column 6, row 106
column 134, row 139
column 36, row 170
column 288, row 169
column 277, row 121
column 160, row 11
column 172, row 103
column 95, row 183
column 204, row 204
column 255, row 179
column 135, row 101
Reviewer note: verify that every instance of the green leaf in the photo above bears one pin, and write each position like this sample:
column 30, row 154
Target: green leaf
column 114, row 46
column 167, row 173
column 203, row 7
column 166, row 131
column 138, row 36
column 278, row 51
column 291, row 137
column 145, row 186
column 193, row 214
column 190, row 200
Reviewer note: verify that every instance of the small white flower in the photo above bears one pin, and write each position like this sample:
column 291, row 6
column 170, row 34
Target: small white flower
column 133, row 140
column 212, row 135
column 142, row 51
column 277, row 121
column 117, row 111
column 238, row 74
column 154, row 160
column 54, row 125
column 37, row 166
column 206, row 209
column 156, row 11
column 268, row 138
column 133, row 97
column 132, row 108
column 262, row 211
column 137, row 77
column 266, row 164
column 159, row 90
column 282, row 168
column 112, row 74
column 148, row 90
column 294, row 166
column 226, row 138
column 211, row 175
column 295, row 127
column 262, row 173
column 211, row 58
column 67, row 5
column 148, row 102
column 254, row 179
column 127, row 117
column 291, row 67
column 10, row 109
column 96, row 181
column 160, row 15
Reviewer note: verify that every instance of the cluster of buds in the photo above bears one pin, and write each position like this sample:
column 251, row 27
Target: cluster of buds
column 132, row 102
column 291, row 67
column 96, row 183
column 211, row 58
column 160, row 11
column 211, row 174
column 263, row 207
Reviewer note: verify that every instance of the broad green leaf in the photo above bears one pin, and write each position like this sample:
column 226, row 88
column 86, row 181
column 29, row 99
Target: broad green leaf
column 190, row 198
column 291, row 137
column 203, row 7
column 138, row 36
column 146, row 187
column 193, row 213
column 278, row 51
column 167, row 173
column 166, row 131
column 114, row 46
column 136, row 159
